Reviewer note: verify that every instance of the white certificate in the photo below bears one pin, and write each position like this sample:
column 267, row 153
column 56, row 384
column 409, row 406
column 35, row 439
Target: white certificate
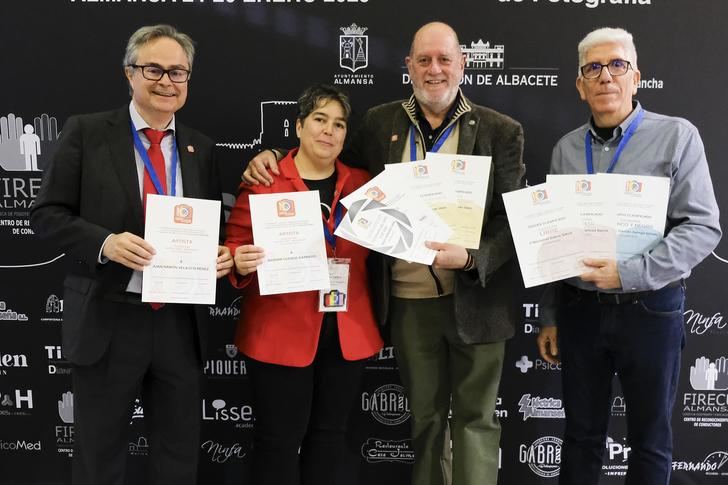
column 640, row 206
column 470, row 175
column 546, row 234
column 289, row 228
column 591, row 198
column 185, row 234
column 383, row 216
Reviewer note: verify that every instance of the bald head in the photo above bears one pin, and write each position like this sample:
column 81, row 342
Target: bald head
column 438, row 29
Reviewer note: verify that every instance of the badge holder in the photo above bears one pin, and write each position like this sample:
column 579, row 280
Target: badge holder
column 336, row 299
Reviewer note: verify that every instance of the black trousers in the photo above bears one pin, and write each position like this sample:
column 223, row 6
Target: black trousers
column 153, row 352
column 306, row 409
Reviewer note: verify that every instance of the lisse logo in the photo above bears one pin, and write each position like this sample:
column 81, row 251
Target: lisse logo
column 218, row 410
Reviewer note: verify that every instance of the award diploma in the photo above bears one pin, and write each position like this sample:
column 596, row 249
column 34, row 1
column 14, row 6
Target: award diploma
column 289, row 228
column 546, row 234
column 185, row 234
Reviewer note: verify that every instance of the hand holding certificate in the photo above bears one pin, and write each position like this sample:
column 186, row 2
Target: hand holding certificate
column 185, row 234
column 288, row 227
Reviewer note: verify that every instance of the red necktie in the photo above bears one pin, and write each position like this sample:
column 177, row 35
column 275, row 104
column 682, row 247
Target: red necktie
column 157, row 158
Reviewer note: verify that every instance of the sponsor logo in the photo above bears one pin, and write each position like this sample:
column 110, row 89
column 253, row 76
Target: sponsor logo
column 220, row 453
column 183, row 214
column 700, row 324
column 218, row 410
column 53, row 310
column 231, row 311
column 383, row 360
column 286, row 208
column 530, row 317
column 353, row 48
column 388, row 404
column 20, row 445
column 377, row 450
column 8, row 361
column 16, row 403
column 140, row 447
column 500, row 413
column 25, row 147
column 539, row 196
column 375, row 193
column 715, row 464
column 354, row 55
column 138, row 412
column 64, row 433
column 619, row 408
column 708, row 406
column 524, row 364
column 709, row 376
column 617, row 455
column 57, row 365
column 537, row 407
column 482, row 56
column 232, row 366
column 543, row 456
column 8, row 314
column 583, row 186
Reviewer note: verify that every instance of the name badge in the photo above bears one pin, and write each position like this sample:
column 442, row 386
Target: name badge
column 336, row 299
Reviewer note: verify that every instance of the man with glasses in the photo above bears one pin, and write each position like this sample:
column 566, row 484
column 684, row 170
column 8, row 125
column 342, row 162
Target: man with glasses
column 91, row 203
column 626, row 316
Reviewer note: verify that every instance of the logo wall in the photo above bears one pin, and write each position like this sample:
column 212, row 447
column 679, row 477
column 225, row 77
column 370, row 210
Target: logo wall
column 707, row 407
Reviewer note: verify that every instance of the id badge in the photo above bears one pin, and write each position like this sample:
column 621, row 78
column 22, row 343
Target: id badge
column 336, row 299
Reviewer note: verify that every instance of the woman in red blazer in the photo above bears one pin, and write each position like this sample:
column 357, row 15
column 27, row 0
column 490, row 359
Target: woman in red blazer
column 306, row 364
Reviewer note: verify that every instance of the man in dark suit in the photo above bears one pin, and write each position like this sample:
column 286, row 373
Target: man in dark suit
column 91, row 204
column 449, row 321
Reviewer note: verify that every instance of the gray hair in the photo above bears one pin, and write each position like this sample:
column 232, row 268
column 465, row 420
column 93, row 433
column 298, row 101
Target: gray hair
column 151, row 32
column 608, row 35
column 317, row 93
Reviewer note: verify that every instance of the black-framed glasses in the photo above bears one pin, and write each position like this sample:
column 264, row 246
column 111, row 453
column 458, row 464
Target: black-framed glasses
column 155, row 73
column 616, row 67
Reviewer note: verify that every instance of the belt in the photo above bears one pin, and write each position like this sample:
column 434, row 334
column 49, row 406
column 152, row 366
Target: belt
column 622, row 298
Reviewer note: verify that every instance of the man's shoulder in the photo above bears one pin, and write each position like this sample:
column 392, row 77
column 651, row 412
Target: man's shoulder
column 195, row 136
column 490, row 115
column 93, row 120
column 574, row 136
column 385, row 108
column 669, row 123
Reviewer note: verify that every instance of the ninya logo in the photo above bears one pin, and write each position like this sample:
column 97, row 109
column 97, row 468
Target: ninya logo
column 388, row 404
column 20, row 445
column 220, row 453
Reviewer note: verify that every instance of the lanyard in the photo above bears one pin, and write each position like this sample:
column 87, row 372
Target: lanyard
column 623, row 143
column 148, row 163
column 328, row 232
column 435, row 148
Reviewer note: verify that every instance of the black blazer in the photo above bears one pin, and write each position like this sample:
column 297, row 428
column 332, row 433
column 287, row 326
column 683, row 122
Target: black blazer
column 91, row 190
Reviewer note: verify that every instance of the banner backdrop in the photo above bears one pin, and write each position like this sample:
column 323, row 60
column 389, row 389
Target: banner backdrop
column 63, row 57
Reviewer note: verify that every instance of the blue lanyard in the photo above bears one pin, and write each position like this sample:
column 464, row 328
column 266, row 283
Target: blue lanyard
column 148, row 163
column 435, row 148
column 328, row 233
column 623, row 143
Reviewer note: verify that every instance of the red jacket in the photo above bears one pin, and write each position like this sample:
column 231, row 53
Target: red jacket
column 284, row 329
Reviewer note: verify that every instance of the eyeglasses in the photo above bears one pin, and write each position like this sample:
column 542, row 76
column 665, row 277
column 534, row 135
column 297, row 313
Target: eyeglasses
column 616, row 67
column 155, row 73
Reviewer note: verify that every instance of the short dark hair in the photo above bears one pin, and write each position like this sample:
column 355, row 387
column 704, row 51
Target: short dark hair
column 313, row 95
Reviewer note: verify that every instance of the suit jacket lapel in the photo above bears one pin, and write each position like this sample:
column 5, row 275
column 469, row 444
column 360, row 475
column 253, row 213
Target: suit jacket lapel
column 467, row 130
column 189, row 163
column 121, row 146
column 399, row 137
